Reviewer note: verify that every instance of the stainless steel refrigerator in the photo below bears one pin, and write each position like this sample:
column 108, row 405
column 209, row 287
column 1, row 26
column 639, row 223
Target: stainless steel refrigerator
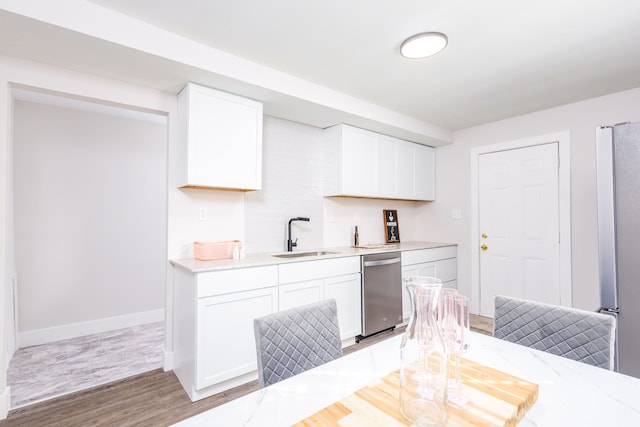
column 618, row 177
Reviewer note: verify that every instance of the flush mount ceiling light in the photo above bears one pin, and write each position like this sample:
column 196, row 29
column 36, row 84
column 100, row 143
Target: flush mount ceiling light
column 423, row 45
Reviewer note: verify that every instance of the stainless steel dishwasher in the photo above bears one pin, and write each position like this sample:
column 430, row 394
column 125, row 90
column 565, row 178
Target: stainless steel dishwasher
column 381, row 293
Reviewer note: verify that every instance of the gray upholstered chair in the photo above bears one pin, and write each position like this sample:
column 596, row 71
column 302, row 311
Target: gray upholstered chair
column 576, row 334
column 295, row 340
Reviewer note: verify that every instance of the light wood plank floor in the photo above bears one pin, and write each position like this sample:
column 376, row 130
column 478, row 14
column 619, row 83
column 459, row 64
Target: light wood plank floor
column 154, row 398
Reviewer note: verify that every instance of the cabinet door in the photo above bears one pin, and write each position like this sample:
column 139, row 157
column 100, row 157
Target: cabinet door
column 224, row 140
column 359, row 162
column 446, row 269
column 387, row 166
column 296, row 294
column 406, row 167
column 225, row 344
column 424, row 173
column 428, row 270
column 347, row 292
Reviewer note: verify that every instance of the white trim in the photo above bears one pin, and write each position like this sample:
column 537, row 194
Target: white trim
column 564, row 205
column 43, row 336
column 11, row 317
column 167, row 360
column 5, row 402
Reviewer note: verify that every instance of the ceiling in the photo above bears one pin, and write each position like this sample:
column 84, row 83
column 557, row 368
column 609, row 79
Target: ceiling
column 322, row 63
column 505, row 58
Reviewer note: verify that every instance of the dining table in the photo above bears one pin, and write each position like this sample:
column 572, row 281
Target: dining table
column 567, row 392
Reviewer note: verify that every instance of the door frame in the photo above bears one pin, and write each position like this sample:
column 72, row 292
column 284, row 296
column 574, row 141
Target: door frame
column 564, row 209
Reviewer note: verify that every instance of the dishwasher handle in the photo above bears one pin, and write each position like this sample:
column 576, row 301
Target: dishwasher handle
column 381, row 262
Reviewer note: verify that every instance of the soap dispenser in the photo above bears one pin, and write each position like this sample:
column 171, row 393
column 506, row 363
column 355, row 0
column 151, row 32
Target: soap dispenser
column 236, row 252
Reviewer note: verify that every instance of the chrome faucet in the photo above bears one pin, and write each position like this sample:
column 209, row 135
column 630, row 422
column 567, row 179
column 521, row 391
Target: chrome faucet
column 290, row 243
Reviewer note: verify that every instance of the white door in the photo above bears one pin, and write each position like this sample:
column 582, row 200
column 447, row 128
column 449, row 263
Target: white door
column 519, row 225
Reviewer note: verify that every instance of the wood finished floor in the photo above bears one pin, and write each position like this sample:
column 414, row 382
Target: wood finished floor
column 154, row 398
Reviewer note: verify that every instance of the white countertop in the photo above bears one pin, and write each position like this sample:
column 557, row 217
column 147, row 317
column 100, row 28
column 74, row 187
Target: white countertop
column 570, row 393
column 258, row 259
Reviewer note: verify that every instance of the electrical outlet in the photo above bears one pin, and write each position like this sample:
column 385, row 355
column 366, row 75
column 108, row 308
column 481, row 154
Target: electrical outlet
column 204, row 214
column 456, row 214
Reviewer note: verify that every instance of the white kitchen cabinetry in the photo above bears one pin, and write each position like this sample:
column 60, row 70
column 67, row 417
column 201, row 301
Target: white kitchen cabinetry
column 220, row 140
column 437, row 262
column 295, row 294
column 424, row 160
column 214, row 345
column 312, row 281
column 362, row 163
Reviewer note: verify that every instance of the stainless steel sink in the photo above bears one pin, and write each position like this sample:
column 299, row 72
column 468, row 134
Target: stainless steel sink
column 303, row 254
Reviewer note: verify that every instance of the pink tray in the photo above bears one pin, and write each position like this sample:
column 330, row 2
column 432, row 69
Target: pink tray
column 207, row 251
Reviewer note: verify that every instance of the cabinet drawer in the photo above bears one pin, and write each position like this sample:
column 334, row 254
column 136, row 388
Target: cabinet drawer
column 226, row 281
column 427, row 255
column 446, row 269
column 310, row 270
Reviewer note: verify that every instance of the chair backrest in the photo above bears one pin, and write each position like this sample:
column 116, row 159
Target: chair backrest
column 295, row 340
column 576, row 334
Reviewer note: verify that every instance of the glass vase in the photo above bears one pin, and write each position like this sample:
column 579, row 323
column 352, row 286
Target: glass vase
column 423, row 370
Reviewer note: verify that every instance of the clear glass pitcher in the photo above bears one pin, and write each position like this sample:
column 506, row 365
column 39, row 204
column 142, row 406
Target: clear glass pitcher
column 423, row 372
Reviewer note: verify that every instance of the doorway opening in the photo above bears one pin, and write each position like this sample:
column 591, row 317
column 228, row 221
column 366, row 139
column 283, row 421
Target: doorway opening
column 89, row 225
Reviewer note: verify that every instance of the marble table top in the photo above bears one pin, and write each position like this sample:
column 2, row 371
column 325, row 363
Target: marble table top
column 570, row 393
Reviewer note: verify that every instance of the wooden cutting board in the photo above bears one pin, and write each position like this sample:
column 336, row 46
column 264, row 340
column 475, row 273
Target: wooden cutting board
column 494, row 399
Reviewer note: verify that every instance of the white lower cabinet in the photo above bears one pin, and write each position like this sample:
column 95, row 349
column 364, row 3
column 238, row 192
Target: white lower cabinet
column 296, row 294
column 347, row 292
column 225, row 340
column 213, row 338
column 437, row 262
column 214, row 344
column 312, row 281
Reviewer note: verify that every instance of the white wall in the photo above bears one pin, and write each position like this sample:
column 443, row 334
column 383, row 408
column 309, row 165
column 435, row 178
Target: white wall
column 453, row 182
column 225, row 218
column 90, row 219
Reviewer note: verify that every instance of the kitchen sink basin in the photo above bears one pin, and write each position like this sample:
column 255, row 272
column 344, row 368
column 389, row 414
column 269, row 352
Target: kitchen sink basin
column 303, row 254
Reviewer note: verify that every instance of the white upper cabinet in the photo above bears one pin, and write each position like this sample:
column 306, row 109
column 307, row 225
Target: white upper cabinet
column 220, row 139
column 358, row 159
column 362, row 163
column 424, row 172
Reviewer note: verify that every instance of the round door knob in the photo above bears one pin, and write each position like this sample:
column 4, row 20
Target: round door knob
column 484, row 235
column 484, row 247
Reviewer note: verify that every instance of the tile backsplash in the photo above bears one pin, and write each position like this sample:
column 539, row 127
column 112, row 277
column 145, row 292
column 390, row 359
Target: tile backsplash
column 292, row 185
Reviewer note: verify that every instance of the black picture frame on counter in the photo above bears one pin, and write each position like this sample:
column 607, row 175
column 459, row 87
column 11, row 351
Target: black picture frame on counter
column 391, row 228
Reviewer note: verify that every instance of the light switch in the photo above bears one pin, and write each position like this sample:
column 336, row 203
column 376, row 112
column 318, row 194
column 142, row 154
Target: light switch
column 456, row 214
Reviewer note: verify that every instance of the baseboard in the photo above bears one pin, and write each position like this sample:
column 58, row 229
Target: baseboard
column 167, row 360
column 5, row 403
column 43, row 336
